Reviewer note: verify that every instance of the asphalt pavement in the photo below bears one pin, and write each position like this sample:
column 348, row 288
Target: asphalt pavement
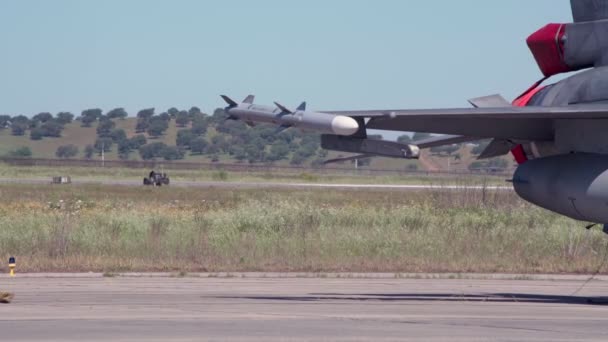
column 272, row 307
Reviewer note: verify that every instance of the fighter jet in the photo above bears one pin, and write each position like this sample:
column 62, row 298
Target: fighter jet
column 556, row 132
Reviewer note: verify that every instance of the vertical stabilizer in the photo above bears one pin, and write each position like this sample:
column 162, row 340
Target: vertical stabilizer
column 589, row 10
column 249, row 99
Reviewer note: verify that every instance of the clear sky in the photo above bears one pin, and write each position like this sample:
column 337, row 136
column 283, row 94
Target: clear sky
column 77, row 54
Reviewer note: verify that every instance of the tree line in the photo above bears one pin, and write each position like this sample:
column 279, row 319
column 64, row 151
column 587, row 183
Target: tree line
column 230, row 139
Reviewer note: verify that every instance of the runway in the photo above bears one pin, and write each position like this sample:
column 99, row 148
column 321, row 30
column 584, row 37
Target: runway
column 260, row 308
column 276, row 185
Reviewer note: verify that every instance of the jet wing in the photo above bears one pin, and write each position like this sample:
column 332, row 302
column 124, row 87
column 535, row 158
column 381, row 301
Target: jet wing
column 525, row 123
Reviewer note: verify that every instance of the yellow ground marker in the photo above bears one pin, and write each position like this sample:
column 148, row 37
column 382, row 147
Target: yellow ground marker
column 11, row 265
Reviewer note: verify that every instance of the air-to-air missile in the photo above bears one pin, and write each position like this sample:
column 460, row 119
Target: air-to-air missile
column 285, row 118
column 338, row 132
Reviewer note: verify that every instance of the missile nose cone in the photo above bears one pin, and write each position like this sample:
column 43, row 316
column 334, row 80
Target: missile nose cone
column 344, row 125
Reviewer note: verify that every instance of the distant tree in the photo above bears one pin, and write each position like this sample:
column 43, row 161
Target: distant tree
column 42, row 117
column 66, row 151
column 172, row 153
column 200, row 126
column 52, row 128
column 198, row 145
column 153, row 150
column 105, row 127
column 194, row 111
column 218, row 116
column 18, row 128
column 184, row 137
column 117, row 113
column 221, row 142
column 375, row 137
column 4, row 121
column 118, row 134
column 137, row 141
column 142, row 125
column 182, row 119
column 404, row 139
column 89, row 150
column 89, row 116
column 254, row 153
column 278, row 151
column 37, row 133
column 124, row 148
column 173, row 112
column 22, row 119
column 212, row 149
column 65, row 118
column 164, row 116
column 145, row 113
column 297, row 159
column 87, row 121
column 21, row 152
column 238, row 153
column 420, row 136
column 157, row 128
column 104, row 144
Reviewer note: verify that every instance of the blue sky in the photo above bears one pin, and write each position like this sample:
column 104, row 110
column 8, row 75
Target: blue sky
column 77, row 54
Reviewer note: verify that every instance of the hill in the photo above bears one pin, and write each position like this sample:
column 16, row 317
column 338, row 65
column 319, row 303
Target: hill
column 220, row 140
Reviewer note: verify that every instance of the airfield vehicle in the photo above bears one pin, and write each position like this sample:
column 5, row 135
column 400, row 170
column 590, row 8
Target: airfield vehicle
column 156, row 179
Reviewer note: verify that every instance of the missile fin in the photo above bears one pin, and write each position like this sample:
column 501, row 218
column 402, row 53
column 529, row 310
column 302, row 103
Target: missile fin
column 249, row 99
column 229, row 101
column 283, row 108
column 302, row 107
column 282, row 128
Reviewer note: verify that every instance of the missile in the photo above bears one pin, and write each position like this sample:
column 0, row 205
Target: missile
column 285, row 118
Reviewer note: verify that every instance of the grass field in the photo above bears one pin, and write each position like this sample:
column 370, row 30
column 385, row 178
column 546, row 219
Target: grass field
column 295, row 176
column 111, row 229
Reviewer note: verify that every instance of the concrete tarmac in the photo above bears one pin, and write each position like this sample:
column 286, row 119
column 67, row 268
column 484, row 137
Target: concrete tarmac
column 243, row 308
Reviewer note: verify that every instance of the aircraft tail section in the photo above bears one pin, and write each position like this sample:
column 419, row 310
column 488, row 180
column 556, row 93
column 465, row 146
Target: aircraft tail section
column 589, row 10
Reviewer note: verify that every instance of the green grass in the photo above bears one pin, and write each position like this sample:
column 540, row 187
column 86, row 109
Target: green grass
column 114, row 229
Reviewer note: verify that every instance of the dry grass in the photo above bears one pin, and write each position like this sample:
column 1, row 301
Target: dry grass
column 110, row 229
column 297, row 176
